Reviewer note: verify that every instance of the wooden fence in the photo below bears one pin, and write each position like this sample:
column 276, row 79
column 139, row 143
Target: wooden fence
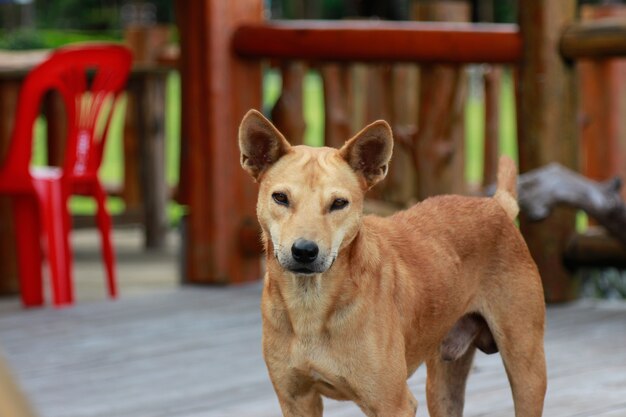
column 224, row 43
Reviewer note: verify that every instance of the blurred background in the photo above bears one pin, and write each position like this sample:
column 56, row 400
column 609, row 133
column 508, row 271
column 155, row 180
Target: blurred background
column 183, row 338
column 360, row 90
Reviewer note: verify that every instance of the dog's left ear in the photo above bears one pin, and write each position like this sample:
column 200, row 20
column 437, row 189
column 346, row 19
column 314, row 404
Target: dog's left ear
column 260, row 144
column 369, row 152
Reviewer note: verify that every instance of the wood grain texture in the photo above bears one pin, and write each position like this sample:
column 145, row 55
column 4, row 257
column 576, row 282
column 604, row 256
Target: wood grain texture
column 379, row 41
column 491, row 151
column 149, row 108
column 603, row 105
column 217, row 89
column 288, row 111
column 602, row 39
column 548, row 131
column 439, row 146
column 9, row 91
column 196, row 352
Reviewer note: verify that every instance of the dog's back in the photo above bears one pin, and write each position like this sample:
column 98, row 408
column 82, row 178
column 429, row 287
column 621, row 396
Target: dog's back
column 449, row 250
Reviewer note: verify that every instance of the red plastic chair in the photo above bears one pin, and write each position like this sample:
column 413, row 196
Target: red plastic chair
column 40, row 194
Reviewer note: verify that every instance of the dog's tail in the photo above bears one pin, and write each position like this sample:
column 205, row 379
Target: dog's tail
column 506, row 190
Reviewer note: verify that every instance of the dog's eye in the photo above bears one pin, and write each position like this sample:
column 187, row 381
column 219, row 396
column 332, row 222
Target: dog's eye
column 281, row 198
column 338, row 204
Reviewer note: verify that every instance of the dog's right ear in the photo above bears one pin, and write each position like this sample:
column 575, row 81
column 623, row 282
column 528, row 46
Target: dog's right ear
column 369, row 152
column 260, row 144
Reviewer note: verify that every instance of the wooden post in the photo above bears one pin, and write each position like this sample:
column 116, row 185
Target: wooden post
column 401, row 182
column 548, row 130
column 336, row 79
column 131, row 190
column 603, row 106
column 492, row 78
column 218, row 88
column 378, row 105
column 391, row 94
column 56, row 119
column 491, row 153
column 9, row 278
column 148, row 105
column 288, row 112
column 594, row 39
column 440, row 142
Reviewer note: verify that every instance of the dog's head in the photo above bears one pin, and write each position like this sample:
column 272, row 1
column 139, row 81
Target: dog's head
column 311, row 199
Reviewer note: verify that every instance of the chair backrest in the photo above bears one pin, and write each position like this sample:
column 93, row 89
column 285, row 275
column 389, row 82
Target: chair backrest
column 89, row 79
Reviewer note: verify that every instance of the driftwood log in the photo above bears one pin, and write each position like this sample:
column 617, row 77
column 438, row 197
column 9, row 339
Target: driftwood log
column 542, row 189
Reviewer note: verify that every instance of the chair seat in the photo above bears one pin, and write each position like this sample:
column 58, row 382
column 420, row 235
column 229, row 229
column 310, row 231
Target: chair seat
column 24, row 184
column 46, row 172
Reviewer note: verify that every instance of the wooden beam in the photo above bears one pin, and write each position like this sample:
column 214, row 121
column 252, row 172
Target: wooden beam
column 594, row 39
column 217, row 89
column 288, row 111
column 148, row 104
column 548, row 131
column 492, row 79
column 9, row 274
column 439, row 146
column 603, row 105
column 595, row 248
column 380, row 41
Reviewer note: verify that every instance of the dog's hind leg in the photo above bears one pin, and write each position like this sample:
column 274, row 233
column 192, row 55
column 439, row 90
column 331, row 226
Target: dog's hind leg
column 521, row 347
column 445, row 384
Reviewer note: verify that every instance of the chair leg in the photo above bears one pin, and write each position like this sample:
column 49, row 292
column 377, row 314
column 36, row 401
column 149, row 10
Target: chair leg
column 54, row 219
column 29, row 256
column 104, row 224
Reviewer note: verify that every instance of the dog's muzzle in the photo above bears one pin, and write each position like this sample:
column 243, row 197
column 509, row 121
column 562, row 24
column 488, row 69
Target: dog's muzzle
column 304, row 251
column 305, row 258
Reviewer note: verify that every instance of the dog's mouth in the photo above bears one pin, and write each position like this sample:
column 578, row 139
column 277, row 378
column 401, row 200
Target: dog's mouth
column 320, row 265
column 307, row 270
column 303, row 271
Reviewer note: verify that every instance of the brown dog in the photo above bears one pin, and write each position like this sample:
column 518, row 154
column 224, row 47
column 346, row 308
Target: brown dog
column 353, row 304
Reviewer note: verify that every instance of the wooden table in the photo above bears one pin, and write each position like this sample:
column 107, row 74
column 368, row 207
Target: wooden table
column 144, row 188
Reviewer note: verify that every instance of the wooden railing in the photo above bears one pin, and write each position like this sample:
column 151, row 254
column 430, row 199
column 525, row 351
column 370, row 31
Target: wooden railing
column 366, row 56
column 222, row 63
column 600, row 39
column 350, row 41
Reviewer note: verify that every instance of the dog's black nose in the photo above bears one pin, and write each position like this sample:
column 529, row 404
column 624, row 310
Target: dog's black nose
column 304, row 251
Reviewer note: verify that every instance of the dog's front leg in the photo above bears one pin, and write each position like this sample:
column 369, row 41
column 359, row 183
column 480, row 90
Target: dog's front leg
column 399, row 404
column 306, row 404
column 295, row 391
column 295, row 394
